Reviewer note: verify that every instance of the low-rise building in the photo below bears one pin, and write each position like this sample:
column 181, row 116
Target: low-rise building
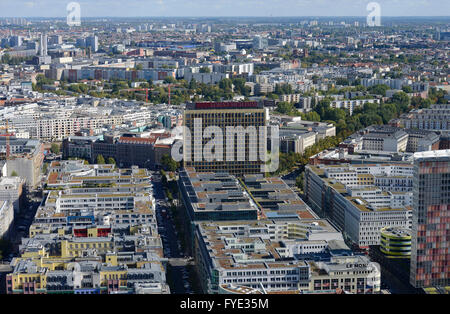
column 96, row 232
column 25, row 158
column 275, row 199
column 393, row 139
column 214, row 196
column 358, row 212
column 12, row 189
column 435, row 118
column 264, row 255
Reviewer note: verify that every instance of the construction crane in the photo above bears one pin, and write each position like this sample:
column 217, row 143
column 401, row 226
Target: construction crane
column 169, row 94
column 139, row 89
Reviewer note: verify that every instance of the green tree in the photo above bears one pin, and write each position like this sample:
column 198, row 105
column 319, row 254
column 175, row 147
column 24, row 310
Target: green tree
column 193, row 84
column 311, row 116
column 226, row 85
column 299, row 181
column 240, row 88
column 285, row 107
column 379, row 89
column 55, row 148
column 100, row 160
column 44, row 168
column 168, row 163
column 401, row 98
column 14, row 174
column 419, row 102
column 407, row 89
column 169, row 80
column 111, row 161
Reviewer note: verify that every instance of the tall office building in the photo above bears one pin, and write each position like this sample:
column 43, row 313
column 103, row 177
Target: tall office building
column 238, row 150
column 260, row 42
column 92, row 42
column 430, row 220
column 15, row 41
column 55, row 40
column 43, row 45
column 81, row 42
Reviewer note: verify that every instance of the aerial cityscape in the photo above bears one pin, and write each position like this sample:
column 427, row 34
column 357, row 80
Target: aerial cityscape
column 204, row 152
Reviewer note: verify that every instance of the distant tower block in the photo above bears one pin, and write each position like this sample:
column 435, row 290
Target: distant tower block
column 43, row 45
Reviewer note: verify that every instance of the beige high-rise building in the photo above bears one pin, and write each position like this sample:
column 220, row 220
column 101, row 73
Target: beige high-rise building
column 226, row 116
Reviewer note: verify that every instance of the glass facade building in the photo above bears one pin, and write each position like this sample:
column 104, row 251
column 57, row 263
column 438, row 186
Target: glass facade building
column 431, row 218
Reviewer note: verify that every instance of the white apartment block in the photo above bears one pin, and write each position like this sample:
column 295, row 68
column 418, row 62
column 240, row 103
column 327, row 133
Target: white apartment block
column 11, row 189
column 206, row 78
column 295, row 98
column 394, row 142
column 364, row 227
column 385, row 176
column 234, row 254
column 392, row 83
column 6, row 217
column 350, row 105
column 435, row 118
column 297, row 143
column 348, row 195
column 376, row 198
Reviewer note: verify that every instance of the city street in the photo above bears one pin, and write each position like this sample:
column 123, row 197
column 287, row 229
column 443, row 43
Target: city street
column 24, row 219
column 179, row 275
column 290, row 177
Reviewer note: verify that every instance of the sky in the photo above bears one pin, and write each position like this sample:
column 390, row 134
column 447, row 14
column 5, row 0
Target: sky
column 151, row 8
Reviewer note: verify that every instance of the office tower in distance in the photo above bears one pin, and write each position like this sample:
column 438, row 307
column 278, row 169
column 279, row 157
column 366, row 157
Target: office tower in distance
column 55, row 40
column 430, row 220
column 234, row 116
column 260, row 42
column 92, row 42
column 15, row 41
column 43, row 58
column 43, row 45
column 81, row 42
column 4, row 42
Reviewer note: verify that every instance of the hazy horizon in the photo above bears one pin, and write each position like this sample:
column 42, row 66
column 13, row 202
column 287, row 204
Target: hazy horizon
column 222, row 8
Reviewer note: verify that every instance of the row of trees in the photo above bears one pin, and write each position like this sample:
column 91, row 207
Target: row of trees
column 181, row 93
column 101, row 160
column 168, row 163
column 362, row 117
column 345, row 123
column 288, row 162
column 7, row 59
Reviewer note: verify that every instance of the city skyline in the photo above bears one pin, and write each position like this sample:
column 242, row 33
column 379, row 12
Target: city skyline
column 236, row 147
